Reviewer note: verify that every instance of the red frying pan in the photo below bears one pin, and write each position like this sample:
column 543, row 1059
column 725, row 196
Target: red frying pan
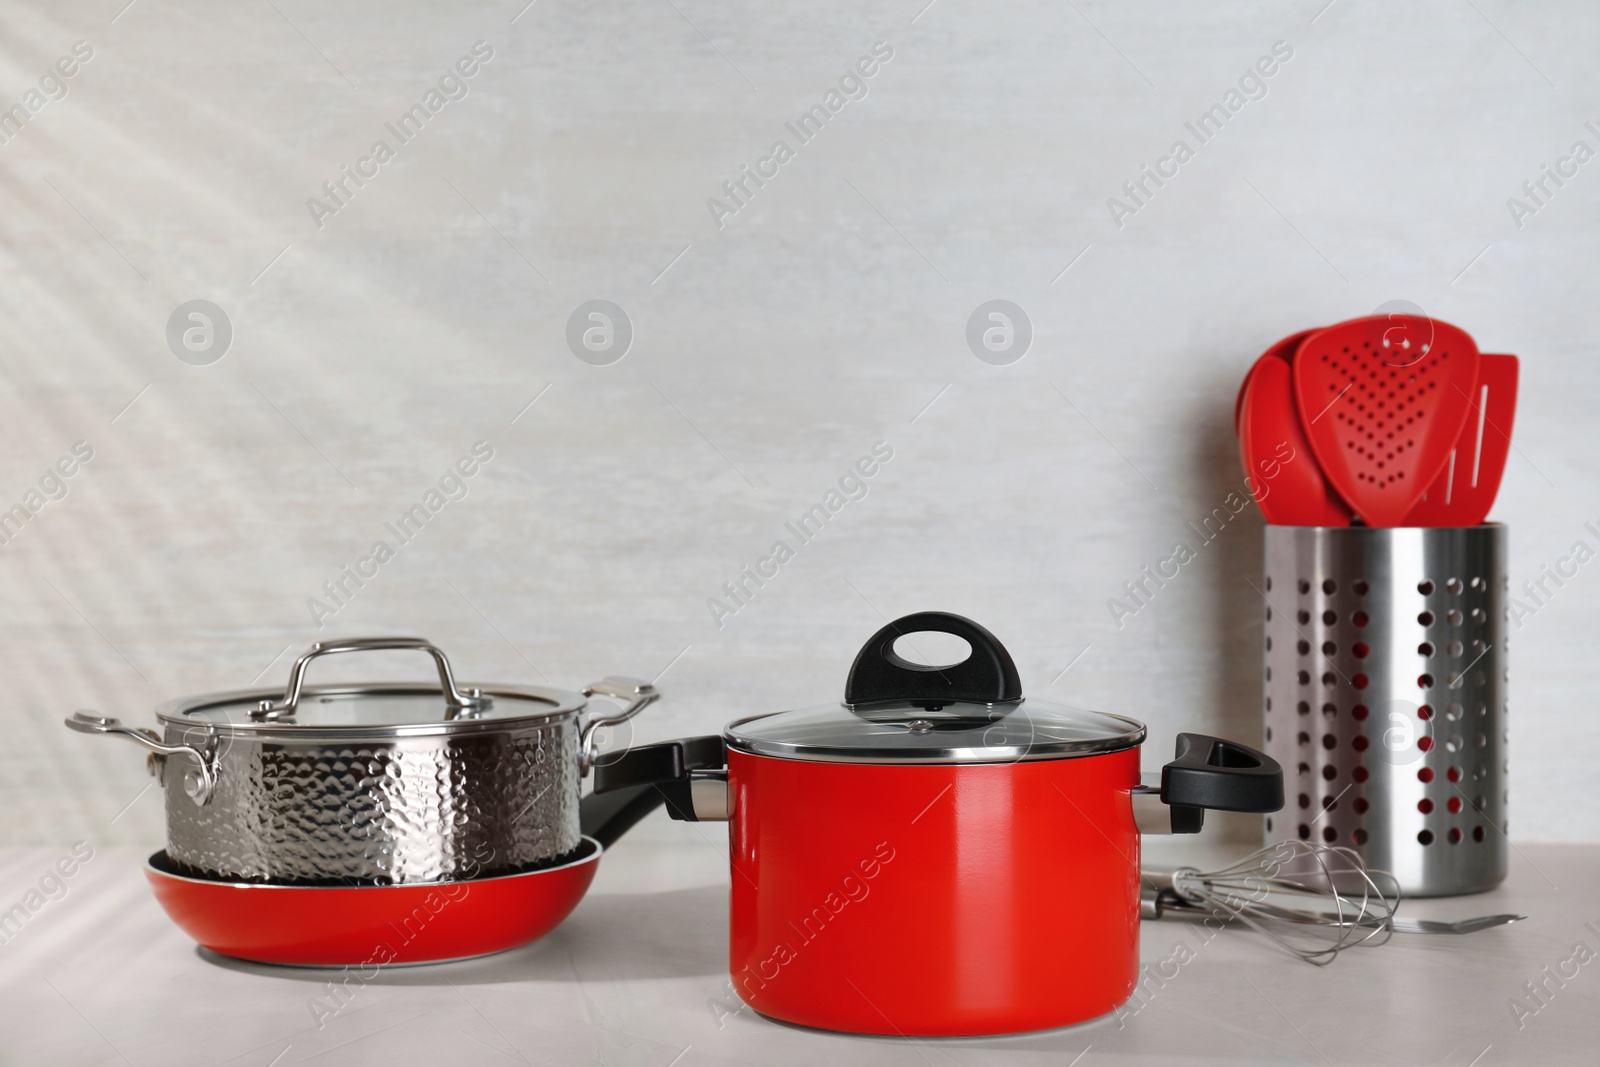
column 373, row 926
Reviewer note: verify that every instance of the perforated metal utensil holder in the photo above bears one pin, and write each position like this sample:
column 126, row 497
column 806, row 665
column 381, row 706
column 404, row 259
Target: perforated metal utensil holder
column 1385, row 697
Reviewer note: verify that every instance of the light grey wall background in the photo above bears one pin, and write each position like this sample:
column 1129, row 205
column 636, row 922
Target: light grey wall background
column 769, row 354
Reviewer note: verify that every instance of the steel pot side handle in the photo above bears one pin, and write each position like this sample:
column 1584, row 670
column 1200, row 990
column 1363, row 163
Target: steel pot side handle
column 458, row 704
column 689, row 775
column 198, row 783
column 986, row 676
column 1208, row 772
column 632, row 693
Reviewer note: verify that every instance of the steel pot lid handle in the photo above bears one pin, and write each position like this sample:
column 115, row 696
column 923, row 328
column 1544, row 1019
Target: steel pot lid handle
column 986, row 676
column 198, row 784
column 458, row 704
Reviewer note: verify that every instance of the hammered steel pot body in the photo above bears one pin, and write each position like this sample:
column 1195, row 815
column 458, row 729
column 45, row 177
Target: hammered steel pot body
column 1386, row 697
column 485, row 800
column 934, row 899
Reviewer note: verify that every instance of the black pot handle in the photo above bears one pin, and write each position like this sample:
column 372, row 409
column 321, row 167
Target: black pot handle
column 653, row 774
column 987, row 676
column 1208, row 772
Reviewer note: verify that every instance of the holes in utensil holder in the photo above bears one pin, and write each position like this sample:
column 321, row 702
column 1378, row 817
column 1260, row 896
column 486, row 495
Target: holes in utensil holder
column 1356, row 730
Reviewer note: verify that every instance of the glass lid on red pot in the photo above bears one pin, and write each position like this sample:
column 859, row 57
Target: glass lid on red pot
column 377, row 708
column 968, row 712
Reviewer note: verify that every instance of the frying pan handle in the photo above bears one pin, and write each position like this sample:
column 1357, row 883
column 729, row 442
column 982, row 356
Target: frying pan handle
column 987, row 676
column 606, row 817
column 1208, row 772
column 690, row 775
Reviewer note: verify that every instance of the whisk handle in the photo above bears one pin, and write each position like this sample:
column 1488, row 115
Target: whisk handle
column 1208, row 772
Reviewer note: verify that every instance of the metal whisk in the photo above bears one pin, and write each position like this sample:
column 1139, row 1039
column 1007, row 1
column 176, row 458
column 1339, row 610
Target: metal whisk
column 1269, row 891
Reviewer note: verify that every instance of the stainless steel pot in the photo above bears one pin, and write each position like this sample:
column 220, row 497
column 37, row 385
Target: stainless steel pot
column 374, row 784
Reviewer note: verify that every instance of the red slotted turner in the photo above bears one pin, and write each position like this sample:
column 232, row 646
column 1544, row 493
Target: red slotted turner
column 1383, row 402
column 1464, row 491
column 1278, row 464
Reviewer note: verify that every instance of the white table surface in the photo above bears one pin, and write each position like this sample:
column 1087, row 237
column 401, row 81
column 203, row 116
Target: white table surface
column 636, row 977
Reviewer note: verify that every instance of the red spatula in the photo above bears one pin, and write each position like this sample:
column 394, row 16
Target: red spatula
column 1383, row 402
column 1464, row 491
column 1283, row 350
column 1278, row 465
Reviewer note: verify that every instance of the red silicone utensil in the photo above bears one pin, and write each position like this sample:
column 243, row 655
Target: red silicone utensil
column 1279, row 467
column 1464, row 491
column 1383, row 401
column 1284, row 350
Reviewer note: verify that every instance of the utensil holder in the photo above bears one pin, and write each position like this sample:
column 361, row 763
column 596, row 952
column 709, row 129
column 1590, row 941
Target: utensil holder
column 1385, row 697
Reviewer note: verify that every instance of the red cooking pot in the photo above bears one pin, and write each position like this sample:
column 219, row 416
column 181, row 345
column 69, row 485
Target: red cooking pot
column 937, row 856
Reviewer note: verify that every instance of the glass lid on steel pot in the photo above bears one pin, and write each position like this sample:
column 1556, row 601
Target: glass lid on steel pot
column 969, row 712
column 383, row 707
